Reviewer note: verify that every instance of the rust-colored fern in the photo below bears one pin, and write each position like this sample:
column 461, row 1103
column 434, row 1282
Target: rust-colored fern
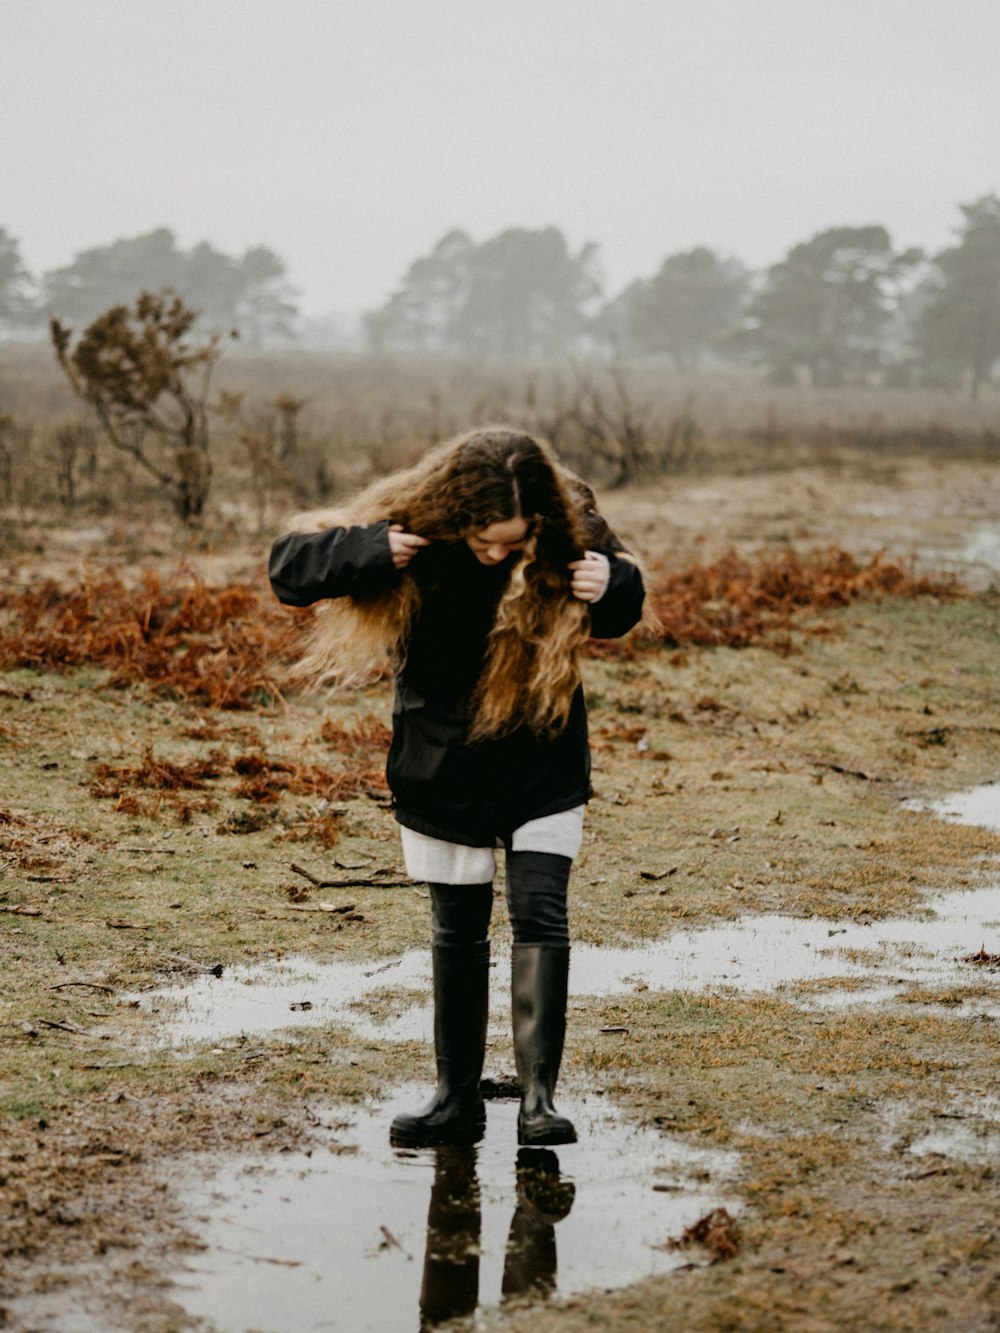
column 738, row 601
column 225, row 647
column 221, row 647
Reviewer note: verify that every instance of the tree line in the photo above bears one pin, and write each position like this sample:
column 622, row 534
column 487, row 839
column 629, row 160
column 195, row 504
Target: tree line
column 248, row 294
column 843, row 306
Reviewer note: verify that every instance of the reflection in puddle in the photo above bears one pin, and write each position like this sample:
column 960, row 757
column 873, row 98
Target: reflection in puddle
column 373, row 1240
column 759, row 953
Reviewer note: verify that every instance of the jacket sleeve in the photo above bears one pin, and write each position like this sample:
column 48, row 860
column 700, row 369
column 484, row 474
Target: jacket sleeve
column 620, row 607
column 338, row 562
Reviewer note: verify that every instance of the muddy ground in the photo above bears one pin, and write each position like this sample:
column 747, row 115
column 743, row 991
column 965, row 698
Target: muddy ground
column 728, row 783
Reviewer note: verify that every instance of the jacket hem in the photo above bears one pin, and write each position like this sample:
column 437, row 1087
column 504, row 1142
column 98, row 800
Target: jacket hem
column 501, row 832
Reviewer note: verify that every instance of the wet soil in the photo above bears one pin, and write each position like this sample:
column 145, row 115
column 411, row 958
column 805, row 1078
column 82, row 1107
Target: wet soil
column 747, row 804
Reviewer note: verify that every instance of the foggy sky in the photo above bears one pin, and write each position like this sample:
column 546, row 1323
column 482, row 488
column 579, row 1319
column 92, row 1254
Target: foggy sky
column 349, row 135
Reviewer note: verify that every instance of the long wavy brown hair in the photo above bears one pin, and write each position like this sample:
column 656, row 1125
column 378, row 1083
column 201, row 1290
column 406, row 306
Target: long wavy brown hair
column 531, row 669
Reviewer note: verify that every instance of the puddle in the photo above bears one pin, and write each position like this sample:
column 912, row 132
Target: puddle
column 983, row 548
column 759, row 953
column 764, row 953
column 965, row 1143
column 374, row 1240
column 979, row 806
column 293, row 993
column 966, row 1132
column 973, row 557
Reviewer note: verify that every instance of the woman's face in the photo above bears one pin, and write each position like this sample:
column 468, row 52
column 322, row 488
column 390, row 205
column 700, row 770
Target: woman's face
column 494, row 544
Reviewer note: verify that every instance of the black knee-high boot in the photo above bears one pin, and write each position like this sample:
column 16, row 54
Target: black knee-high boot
column 456, row 1113
column 539, row 983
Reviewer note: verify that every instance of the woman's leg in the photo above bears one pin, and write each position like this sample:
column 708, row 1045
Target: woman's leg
column 460, row 915
column 538, row 869
column 460, row 956
column 536, row 897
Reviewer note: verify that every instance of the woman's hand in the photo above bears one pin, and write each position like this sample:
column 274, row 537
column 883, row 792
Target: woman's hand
column 404, row 545
column 590, row 576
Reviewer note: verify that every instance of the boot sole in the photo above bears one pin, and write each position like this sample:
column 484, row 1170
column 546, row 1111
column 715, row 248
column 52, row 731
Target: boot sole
column 444, row 1136
column 549, row 1137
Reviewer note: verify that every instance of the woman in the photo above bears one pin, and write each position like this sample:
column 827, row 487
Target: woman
column 480, row 570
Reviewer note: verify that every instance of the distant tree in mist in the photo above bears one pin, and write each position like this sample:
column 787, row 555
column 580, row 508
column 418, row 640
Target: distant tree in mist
column 265, row 305
column 148, row 385
column 528, row 294
column 112, row 274
column 687, row 311
column 828, row 305
column 17, row 305
column 249, row 294
column 613, row 326
column 520, row 293
column 421, row 315
column 959, row 330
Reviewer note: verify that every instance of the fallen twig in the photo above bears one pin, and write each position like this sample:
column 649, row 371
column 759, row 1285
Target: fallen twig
column 94, row 985
column 368, row 883
column 847, row 772
column 306, row 874
column 392, row 1243
column 262, row 1258
column 118, row 1064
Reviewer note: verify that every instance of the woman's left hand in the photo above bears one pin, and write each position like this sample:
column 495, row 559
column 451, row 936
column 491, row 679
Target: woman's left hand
column 590, row 576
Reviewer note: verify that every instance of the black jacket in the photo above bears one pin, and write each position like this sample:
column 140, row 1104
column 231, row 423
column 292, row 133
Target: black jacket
column 441, row 784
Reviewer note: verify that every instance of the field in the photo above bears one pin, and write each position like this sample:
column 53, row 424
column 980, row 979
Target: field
column 169, row 807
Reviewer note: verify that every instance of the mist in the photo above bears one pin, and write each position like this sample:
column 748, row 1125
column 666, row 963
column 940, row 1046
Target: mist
column 349, row 138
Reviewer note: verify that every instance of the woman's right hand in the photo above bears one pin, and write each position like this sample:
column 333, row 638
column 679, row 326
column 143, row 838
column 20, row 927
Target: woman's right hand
column 404, row 545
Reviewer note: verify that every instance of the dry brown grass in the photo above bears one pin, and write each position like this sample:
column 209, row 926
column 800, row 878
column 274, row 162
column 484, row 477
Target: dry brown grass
column 729, row 782
column 364, row 415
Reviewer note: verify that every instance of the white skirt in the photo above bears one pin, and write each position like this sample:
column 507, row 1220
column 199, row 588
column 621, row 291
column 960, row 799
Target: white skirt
column 434, row 861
